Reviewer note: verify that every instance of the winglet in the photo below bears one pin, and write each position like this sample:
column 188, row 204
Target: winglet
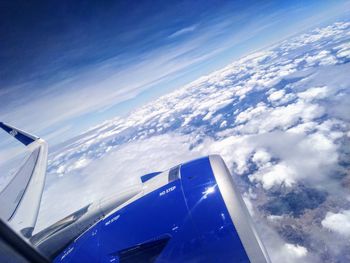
column 21, row 136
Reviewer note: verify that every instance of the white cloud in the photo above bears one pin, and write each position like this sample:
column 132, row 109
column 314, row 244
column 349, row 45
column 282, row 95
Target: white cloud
column 281, row 251
column 344, row 53
column 271, row 175
column 81, row 163
column 261, row 157
column 315, row 93
column 235, row 150
column 323, row 57
column 295, row 250
column 338, row 222
column 274, row 217
column 294, row 139
column 262, row 118
column 277, row 95
column 203, row 98
column 183, row 31
column 311, row 157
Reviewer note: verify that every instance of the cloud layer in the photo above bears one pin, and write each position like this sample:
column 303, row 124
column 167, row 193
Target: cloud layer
column 279, row 118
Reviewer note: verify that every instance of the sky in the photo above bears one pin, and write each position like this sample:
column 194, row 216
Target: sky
column 67, row 66
column 279, row 118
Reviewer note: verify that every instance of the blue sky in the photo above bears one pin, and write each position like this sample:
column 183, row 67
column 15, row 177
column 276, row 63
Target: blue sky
column 67, row 66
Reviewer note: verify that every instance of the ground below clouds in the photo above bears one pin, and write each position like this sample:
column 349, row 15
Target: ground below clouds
column 280, row 119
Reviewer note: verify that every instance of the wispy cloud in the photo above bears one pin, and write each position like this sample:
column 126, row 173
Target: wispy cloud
column 183, row 31
column 103, row 86
column 106, row 84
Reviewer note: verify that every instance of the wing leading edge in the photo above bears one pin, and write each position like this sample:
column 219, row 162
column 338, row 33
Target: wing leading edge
column 20, row 199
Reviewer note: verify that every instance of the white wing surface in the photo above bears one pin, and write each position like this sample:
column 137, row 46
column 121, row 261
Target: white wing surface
column 20, row 199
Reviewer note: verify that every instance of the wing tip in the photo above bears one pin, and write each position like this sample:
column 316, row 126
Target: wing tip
column 22, row 136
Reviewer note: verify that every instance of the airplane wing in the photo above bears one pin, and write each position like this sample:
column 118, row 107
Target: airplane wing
column 20, row 199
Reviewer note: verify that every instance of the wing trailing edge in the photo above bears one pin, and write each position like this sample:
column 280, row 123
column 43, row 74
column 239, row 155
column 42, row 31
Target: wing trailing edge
column 20, row 199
